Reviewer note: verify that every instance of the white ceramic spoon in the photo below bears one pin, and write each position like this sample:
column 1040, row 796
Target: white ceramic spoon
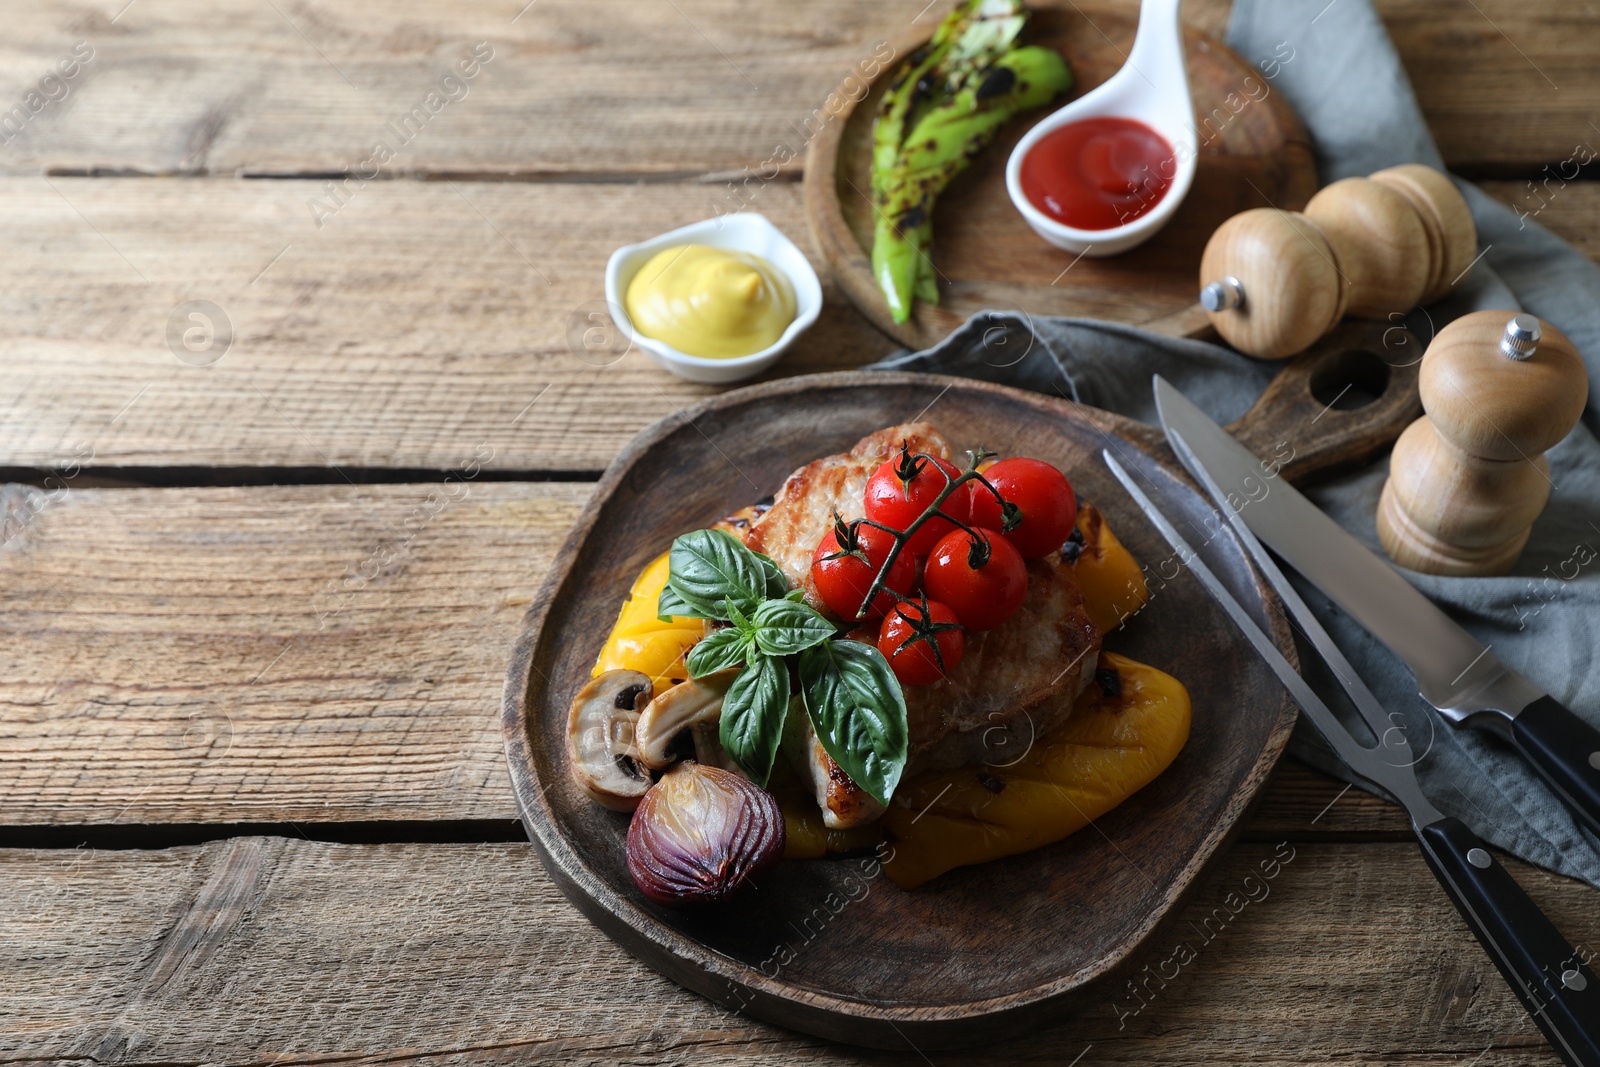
column 1153, row 88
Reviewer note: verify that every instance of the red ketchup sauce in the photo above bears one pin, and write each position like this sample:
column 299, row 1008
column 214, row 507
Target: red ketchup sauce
column 1099, row 173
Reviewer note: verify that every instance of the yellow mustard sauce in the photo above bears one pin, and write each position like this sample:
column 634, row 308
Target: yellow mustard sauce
column 718, row 303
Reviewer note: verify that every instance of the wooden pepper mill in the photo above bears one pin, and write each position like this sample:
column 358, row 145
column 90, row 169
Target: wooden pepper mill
column 1467, row 480
column 1275, row 281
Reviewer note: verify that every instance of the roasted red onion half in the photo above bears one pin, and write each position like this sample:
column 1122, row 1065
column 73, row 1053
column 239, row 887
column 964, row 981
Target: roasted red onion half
column 700, row 834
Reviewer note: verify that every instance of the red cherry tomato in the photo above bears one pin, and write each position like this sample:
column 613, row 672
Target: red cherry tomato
column 843, row 582
column 1048, row 505
column 982, row 596
column 894, row 501
column 914, row 662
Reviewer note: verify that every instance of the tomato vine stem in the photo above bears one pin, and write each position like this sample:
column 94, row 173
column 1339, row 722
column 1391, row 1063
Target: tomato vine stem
column 1010, row 515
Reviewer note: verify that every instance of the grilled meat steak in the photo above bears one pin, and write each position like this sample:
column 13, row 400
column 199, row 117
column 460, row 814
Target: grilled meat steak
column 1014, row 683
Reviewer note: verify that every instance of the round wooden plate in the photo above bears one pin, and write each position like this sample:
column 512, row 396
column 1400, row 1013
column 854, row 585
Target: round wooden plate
column 1253, row 153
column 982, row 950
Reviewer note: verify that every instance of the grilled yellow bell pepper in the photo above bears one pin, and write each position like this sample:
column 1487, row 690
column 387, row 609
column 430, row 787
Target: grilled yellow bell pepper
column 1112, row 582
column 1127, row 728
column 642, row 642
column 1110, row 578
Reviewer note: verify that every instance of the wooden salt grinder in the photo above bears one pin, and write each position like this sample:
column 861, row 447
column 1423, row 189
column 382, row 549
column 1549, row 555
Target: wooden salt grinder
column 1467, row 479
column 1275, row 281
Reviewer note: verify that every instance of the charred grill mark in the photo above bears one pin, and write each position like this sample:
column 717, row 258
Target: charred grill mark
column 991, row 783
column 913, row 61
column 1109, row 681
column 997, row 81
column 740, row 521
column 845, row 799
column 1073, row 547
column 840, row 780
column 1094, row 521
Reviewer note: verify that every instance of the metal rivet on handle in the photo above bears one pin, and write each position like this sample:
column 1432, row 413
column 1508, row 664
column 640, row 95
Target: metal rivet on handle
column 1521, row 337
column 1594, row 760
column 1575, row 981
column 1224, row 295
column 1478, row 857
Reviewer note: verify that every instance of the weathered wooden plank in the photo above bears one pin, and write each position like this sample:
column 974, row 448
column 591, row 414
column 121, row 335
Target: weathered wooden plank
column 307, row 654
column 1503, row 84
column 577, row 88
column 1570, row 209
column 301, row 654
column 258, row 950
column 1301, row 802
column 406, row 332
column 570, row 86
column 420, row 322
column 264, row 654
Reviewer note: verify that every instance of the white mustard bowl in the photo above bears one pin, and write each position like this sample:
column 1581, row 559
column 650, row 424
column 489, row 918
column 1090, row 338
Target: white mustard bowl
column 1153, row 88
column 745, row 231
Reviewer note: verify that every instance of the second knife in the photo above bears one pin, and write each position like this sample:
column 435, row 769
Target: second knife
column 1455, row 672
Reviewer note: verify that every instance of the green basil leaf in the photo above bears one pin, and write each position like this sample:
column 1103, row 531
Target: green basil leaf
column 784, row 627
column 858, row 711
column 709, row 568
column 717, row 651
column 753, row 714
column 777, row 584
column 670, row 605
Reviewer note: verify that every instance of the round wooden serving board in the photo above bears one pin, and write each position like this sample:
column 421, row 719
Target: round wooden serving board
column 1257, row 155
column 980, row 951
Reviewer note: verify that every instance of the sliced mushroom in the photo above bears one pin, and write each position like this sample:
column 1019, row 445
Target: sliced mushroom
column 601, row 739
column 692, row 706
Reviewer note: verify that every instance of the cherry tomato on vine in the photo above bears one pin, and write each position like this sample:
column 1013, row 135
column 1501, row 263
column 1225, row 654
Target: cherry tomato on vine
column 843, row 582
column 1041, row 492
column 985, row 593
column 914, row 661
column 904, row 486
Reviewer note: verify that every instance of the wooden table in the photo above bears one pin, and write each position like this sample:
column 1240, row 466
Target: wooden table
column 256, row 608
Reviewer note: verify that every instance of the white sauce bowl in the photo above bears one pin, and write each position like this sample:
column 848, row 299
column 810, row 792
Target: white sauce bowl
column 1153, row 88
column 744, row 231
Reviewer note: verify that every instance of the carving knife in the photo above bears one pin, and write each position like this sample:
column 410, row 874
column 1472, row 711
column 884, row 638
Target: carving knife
column 1547, row 974
column 1455, row 672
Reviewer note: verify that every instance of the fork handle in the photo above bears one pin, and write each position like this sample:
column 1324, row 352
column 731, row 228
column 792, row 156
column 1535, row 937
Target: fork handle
column 1565, row 751
column 1554, row 983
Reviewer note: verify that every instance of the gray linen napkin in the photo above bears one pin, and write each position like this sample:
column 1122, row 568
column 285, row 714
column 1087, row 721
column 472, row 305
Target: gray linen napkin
column 1346, row 82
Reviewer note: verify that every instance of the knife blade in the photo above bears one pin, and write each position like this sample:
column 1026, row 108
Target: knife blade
column 1455, row 672
column 1555, row 985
